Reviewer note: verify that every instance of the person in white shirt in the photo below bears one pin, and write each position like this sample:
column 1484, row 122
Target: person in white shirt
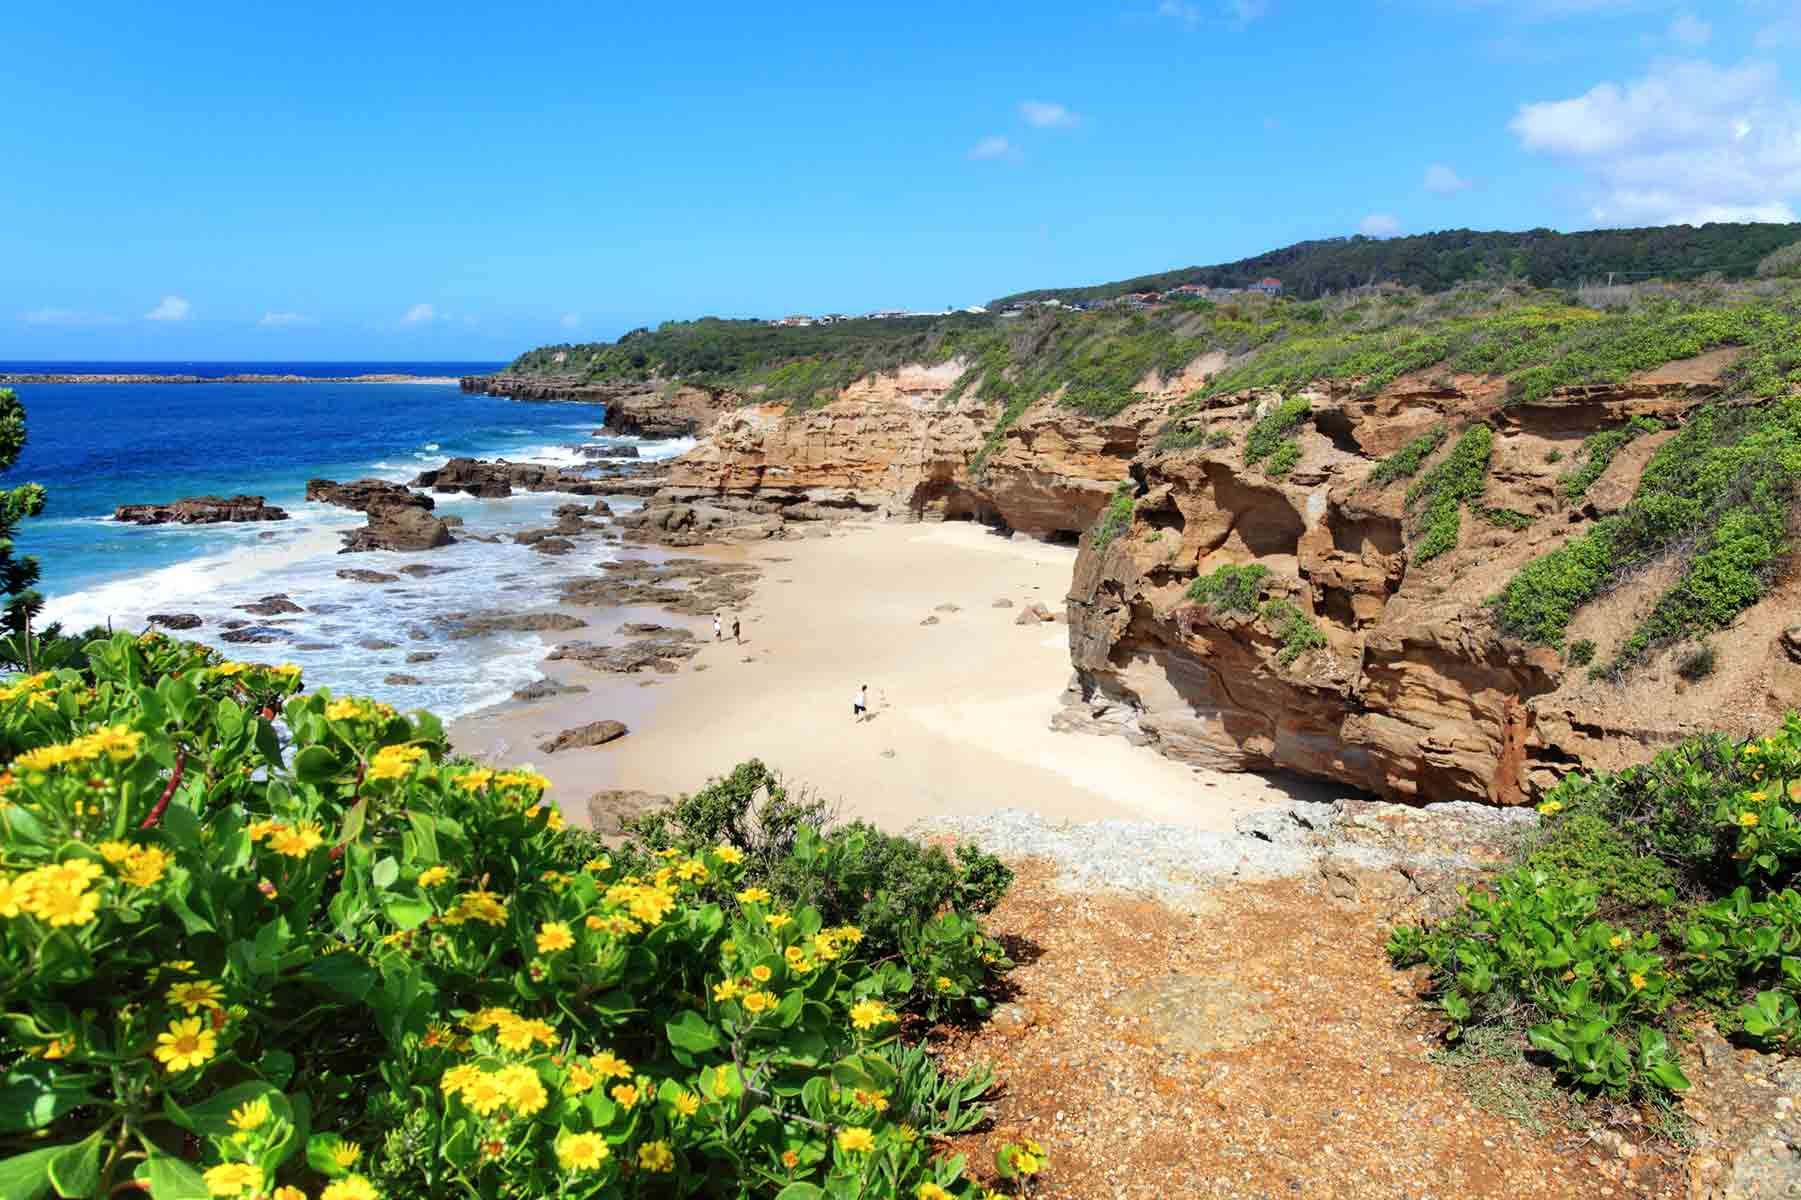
column 859, row 707
column 718, row 631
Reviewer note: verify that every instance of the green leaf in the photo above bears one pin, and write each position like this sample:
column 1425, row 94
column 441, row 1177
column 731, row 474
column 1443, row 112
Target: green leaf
column 212, row 1116
column 343, row 973
column 406, row 912
column 799, row 1191
column 316, row 764
column 35, row 1093
column 353, row 822
column 693, row 1033
column 172, row 1179
column 27, row 1176
column 75, row 1171
column 385, row 873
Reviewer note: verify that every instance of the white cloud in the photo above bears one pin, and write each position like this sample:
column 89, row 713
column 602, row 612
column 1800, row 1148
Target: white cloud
column 1041, row 114
column 1688, row 142
column 419, row 314
column 1443, row 180
column 992, row 148
column 570, row 320
column 1236, row 13
column 169, row 308
column 1690, row 30
column 281, row 320
column 1379, row 225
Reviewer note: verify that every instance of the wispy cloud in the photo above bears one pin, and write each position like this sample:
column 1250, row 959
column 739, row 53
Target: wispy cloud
column 282, row 320
column 1690, row 30
column 1379, row 225
column 1689, row 142
column 1042, row 114
column 570, row 320
column 993, row 148
column 1443, row 180
column 170, row 308
column 419, row 314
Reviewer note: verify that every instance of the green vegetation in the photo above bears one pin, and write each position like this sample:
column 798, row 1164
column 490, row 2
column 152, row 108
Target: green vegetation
column 1436, row 262
column 1283, row 460
column 17, row 572
column 1505, row 518
column 1116, row 518
column 1405, row 463
column 1598, row 451
column 1784, row 263
column 1697, row 664
column 1232, row 588
column 1718, row 493
column 1272, row 430
column 1582, row 653
column 1295, row 629
column 256, row 940
column 1649, row 893
column 1440, row 494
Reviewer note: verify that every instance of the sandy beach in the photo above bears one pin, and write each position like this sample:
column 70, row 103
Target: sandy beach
column 960, row 709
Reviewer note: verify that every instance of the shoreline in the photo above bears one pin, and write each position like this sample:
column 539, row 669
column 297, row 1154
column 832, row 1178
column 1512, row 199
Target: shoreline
column 961, row 698
column 42, row 378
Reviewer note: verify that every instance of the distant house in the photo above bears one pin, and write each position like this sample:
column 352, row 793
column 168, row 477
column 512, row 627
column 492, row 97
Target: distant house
column 1144, row 299
column 1187, row 291
column 833, row 318
column 797, row 319
column 1269, row 285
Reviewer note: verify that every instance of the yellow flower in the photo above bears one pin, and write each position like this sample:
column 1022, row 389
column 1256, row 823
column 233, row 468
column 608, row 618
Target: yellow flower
column 228, row 669
column 525, row 1091
column 116, row 742
column 1551, row 808
column 730, row 855
column 849, row 934
column 790, row 1159
column 553, row 822
column 343, row 710
column 944, row 983
column 433, row 876
column 474, row 781
column 12, row 895
column 477, row 906
column 74, row 873
column 483, row 1094
column 288, row 1193
column 930, row 1191
column 488, row 1018
column 753, row 895
column 251, row 1115
column 345, row 1154
column 760, row 973
column 59, row 905
column 145, row 867
column 1026, row 1163
column 686, row 1104
column 1747, row 819
column 233, row 1179
column 581, row 1151
column 518, row 1035
column 856, row 1140
column 554, row 936
column 459, row 1077
column 525, row 778
column 624, row 1094
column 614, row 923
column 597, row 864
column 1637, row 981
column 115, row 852
column 608, row 1065
column 656, row 1157
column 727, row 990
column 778, row 920
column 59, row 1049
column 757, row 1002
column 1756, row 797
column 298, row 841
column 1616, row 941
column 579, row 1080
column 867, row 1014
column 395, row 762
column 351, row 1187
column 185, row 1044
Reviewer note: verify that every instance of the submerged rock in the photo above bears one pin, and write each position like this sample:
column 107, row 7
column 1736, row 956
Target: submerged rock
column 200, row 510
column 175, row 620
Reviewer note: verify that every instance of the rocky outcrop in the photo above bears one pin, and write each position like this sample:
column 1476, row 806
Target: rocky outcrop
column 1414, row 695
column 364, row 494
column 405, row 527
column 594, row 733
column 641, row 408
column 200, row 510
column 497, row 478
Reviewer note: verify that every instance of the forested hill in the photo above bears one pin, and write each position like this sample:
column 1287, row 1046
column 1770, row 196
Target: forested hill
column 1436, row 261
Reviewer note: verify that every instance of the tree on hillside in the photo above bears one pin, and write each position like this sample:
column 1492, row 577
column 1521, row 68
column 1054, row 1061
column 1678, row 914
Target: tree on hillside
column 17, row 572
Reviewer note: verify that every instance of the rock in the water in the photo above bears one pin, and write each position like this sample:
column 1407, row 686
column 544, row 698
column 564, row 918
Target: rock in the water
column 421, row 570
column 397, row 526
column 200, row 510
column 595, row 733
column 492, row 480
column 398, row 680
column 272, row 606
column 358, row 575
column 365, row 494
column 175, row 620
column 422, row 656
column 546, row 687
column 660, row 652
column 378, row 644
column 555, row 546
column 482, row 624
column 252, row 635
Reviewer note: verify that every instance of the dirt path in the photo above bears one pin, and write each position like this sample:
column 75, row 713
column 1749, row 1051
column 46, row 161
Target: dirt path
column 1259, row 1047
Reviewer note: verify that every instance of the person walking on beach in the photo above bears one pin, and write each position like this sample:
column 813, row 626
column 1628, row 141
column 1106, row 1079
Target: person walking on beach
column 736, row 636
column 718, row 633
column 859, row 708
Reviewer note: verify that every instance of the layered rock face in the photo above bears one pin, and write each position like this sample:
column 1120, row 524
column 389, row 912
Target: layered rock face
column 1415, row 695
column 200, row 510
column 497, row 478
column 648, row 408
column 891, row 445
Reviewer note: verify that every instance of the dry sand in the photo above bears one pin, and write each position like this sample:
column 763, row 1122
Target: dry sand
column 960, row 709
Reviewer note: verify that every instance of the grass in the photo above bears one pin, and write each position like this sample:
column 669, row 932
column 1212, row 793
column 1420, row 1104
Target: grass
column 1231, row 588
column 1405, row 463
column 1297, row 632
column 1582, row 653
column 1283, row 460
column 1505, row 518
column 1272, row 430
column 1440, row 494
column 1489, row 1066
column 1716, row 497
column 1116, row 518
column 1598, row 452
column 1697, row 664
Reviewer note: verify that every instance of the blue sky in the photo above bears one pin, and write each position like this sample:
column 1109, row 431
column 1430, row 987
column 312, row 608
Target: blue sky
column 411, row 181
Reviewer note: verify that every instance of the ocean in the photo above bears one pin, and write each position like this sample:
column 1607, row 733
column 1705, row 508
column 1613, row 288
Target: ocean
column 96, row 446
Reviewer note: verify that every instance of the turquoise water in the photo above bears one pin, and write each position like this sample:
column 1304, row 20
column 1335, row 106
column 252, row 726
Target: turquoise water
column 96, row 446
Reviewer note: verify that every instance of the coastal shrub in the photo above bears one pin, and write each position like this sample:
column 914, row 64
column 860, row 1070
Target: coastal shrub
column 1231, row 588
column 914, row 904
column 1406, row 462
column 1283, row 460
column 1116, row 518
column 1582, row 652
column 1781, row 263
column 260, row 942
column 1295, row 629
column 1697, row 664
column 19, row 603
column 1505, row 518
column 1598, row 451
column 1440, row 494
column 1648, row 893
column 1272, row 429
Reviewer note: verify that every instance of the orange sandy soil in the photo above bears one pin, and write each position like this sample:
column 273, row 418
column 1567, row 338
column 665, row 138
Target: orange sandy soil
column 1259, row 1047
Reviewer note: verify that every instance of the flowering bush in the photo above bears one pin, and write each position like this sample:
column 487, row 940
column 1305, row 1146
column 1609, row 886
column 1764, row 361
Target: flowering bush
column 261, row 943
column 1666, row 884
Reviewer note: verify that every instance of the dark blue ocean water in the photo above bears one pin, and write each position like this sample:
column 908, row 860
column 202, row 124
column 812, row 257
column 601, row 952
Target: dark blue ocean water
column 96, row 446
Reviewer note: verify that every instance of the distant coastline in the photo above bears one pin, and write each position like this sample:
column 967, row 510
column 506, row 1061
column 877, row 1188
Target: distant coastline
column 8, row 379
